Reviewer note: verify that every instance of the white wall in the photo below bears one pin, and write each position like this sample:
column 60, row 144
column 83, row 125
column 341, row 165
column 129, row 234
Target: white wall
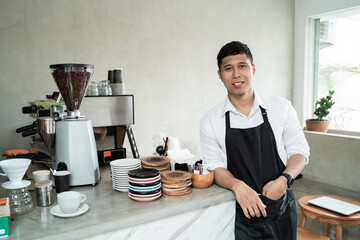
column 167, row 49
column 304, row 10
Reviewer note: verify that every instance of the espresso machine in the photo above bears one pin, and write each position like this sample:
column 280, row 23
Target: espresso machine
column 75, row 142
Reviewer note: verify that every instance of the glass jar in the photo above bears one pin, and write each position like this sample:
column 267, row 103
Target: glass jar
column 20, row 201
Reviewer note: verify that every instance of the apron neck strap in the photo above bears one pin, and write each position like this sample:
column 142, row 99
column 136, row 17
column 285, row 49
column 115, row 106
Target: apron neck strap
column 264, row 114
column 227, row 119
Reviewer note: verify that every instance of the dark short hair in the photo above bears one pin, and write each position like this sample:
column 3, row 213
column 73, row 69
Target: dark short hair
column 233, row 48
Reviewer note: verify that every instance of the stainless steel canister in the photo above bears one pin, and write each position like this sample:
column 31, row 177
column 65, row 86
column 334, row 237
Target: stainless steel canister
column 46, row 130
column 44, row 193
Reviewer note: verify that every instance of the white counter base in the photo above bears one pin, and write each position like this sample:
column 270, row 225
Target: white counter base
column 213, row 222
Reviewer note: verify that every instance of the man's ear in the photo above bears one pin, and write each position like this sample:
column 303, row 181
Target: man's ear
column 254, row 69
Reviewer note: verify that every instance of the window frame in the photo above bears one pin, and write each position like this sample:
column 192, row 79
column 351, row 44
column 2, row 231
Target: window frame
column 312, row 63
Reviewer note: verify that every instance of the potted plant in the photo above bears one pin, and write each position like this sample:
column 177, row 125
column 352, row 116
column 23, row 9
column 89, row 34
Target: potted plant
column 322, row 110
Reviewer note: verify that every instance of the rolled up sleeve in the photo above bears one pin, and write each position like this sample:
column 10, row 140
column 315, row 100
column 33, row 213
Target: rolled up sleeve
column 293, row 136
column 213, row 155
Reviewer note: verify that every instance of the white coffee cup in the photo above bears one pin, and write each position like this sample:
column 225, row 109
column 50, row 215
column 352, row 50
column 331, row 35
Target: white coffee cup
column 69, row 201
column 41, row 175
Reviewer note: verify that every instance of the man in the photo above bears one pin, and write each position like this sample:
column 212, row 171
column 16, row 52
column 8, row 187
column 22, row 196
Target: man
column 256, row 147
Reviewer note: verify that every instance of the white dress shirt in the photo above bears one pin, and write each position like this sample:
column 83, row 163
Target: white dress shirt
column 282, row 117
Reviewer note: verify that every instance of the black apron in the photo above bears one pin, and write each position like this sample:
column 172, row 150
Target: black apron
column 252, row 157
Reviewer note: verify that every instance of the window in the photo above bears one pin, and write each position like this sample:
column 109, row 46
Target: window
column 337, row 67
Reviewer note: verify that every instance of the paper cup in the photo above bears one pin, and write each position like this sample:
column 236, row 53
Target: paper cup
column 41, row 175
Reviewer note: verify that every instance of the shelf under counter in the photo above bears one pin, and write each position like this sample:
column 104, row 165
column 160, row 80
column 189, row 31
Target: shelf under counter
column 113, row 214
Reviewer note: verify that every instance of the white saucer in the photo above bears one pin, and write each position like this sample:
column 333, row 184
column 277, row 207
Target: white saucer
column 10, row 185
column 56, row 211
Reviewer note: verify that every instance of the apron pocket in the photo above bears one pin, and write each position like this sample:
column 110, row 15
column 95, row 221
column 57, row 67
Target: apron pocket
column 274, row 208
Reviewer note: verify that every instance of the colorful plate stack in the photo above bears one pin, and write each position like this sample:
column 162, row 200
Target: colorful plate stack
column 119, row 172
column 176, row 183
column 160, row 163
column 144, row 184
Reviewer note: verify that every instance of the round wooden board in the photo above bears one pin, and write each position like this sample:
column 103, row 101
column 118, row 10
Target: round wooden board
column 155, row 161
column 177, row 185
column 175, row 190
column 174, row 196
column 177, row 193
column 176, row 176
column 160, row 168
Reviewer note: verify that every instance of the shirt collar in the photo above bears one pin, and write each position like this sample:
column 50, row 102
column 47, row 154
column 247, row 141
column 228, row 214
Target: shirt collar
column 258, row 101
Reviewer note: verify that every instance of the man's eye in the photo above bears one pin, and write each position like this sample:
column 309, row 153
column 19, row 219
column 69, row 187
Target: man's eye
column 242, row 66
column 227, row 68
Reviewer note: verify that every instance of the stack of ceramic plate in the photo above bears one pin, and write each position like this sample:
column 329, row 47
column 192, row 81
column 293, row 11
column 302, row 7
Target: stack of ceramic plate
column 119, row 170
column 176, row 183
column 160, row 163
column 144, row 184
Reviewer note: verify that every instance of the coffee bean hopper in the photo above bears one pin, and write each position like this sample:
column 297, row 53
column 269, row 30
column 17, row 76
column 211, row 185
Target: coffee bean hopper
column 75, row 142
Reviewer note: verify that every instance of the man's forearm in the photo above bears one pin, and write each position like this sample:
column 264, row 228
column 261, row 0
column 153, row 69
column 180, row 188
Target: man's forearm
column 225, row 179
column 295, row 165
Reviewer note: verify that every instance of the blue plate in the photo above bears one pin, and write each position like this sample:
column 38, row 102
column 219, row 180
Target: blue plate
column 145, row 189
column 144, row 193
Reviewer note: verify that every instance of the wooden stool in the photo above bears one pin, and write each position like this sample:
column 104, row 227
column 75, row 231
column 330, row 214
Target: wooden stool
column 304, row 234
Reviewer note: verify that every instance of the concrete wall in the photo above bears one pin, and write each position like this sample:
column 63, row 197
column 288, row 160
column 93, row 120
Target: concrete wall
column 167, row 49
column 334, row 159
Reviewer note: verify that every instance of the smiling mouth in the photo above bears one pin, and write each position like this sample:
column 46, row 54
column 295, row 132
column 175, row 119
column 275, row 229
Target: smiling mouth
column 238, row 84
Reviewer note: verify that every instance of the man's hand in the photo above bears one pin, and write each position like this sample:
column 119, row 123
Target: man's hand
column 275, row 189
column 249, row 200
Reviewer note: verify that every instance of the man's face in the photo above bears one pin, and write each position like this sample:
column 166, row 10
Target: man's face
column 237, row 74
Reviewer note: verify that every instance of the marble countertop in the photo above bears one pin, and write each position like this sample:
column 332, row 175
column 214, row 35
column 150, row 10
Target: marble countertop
column 109, row 211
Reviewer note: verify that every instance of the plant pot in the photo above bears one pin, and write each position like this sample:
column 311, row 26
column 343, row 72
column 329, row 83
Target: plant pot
column 318, row 126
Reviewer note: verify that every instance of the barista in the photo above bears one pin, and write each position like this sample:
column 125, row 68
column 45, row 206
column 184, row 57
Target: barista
column 256, row 147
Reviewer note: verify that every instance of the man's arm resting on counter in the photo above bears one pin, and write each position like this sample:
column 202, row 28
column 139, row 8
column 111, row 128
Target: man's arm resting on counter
column 276, row 188
column 245, row 196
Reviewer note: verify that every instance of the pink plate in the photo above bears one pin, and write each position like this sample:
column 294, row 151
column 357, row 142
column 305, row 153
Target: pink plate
column 144, row 196
column 144, row 180
column 144, row 199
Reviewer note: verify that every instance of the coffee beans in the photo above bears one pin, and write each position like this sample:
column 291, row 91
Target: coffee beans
column 72, row 86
